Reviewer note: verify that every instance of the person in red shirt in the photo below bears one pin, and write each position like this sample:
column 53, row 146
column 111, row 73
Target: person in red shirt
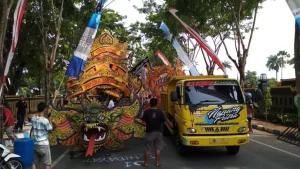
column 8, row 122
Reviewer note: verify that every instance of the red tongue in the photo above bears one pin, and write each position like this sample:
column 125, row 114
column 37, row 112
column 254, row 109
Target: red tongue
column 90, row 149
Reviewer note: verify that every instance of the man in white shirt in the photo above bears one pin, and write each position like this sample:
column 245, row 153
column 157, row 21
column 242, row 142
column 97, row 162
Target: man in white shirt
column 41, row 127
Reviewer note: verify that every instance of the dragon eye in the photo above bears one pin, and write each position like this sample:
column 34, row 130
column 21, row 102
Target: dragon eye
column 101, row 117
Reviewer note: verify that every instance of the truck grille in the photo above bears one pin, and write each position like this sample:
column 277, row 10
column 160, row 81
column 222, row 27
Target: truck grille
column 216, row 129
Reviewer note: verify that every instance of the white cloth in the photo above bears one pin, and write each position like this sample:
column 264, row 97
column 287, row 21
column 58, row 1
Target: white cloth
column 111, row 104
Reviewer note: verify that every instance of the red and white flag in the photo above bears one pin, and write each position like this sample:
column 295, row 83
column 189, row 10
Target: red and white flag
column 18, row 16
column 163, row 58
column 199, row 40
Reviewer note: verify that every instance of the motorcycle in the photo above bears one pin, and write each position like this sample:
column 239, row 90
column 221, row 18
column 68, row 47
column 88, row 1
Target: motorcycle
column 9, row 160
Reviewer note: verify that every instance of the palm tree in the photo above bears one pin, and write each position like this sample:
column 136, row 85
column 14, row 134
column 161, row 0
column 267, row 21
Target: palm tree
column 227, row 65
column 283, row 55
column 274, row 63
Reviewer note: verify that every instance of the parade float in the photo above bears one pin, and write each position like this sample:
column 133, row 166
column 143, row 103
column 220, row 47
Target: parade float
column 87, row 124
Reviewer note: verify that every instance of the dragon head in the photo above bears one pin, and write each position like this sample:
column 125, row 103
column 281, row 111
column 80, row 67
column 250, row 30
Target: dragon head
column 96, row 124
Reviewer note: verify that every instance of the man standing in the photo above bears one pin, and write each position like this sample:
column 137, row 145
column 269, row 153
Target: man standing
column 8, row 122
column 41, row 126
column 154, row 119
column 21, row 112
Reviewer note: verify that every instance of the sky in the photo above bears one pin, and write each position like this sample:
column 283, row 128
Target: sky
column 275, row 32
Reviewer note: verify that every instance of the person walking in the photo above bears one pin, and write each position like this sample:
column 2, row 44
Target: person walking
column 21, row 112
column 41, row 127
column 8, row 122
column 154, row 119
column 250, row 111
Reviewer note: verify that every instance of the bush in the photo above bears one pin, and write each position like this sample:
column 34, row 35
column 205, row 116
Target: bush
column 266, row 103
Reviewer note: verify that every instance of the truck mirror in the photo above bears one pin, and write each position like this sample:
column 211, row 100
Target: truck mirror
column 174, row 97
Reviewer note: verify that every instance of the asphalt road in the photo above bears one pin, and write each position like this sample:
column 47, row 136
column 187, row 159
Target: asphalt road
column 263, row 152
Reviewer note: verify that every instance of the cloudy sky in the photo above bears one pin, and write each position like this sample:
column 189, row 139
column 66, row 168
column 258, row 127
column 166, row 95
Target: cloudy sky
column 275, row 32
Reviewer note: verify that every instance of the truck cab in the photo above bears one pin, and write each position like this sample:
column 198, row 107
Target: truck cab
column 205, row 111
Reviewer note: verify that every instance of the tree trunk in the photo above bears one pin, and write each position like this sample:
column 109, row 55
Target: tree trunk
column 297, row 66
column 277, row 75
column 242, row 75
column 5, row 6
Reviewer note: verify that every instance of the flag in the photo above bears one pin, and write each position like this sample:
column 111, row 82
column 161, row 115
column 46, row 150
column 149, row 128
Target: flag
column 163, row 58
column 295, row 8
column 18, row 16
column 85, row 44
column 201, row 42
column 180, row 52
column 138, row 68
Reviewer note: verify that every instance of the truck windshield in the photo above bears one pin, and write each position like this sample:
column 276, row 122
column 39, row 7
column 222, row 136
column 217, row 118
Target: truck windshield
column 212, row 92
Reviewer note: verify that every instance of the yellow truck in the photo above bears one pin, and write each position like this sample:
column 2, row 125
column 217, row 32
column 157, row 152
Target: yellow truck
column 205, row 111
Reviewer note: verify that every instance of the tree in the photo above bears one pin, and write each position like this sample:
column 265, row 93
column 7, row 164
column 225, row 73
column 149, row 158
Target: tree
column 227, row 65
column 283, row 57
column 240, row 20
column 272, row 82
column 266, row 103
column 274, row 63
column 278, row 61
column 220, row 20
column 297, row 67
column 5, row 6
column 251, row 78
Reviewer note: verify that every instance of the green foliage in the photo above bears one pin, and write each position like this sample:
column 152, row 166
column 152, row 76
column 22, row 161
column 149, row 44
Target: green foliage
column 275, row 62
column 251, row 78
column 29, row 52
column 266, row 103
column 272, row 82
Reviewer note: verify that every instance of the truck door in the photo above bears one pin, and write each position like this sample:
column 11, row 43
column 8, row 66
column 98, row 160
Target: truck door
column 179, row 95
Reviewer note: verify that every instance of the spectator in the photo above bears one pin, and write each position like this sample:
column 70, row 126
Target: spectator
column 250, row 111
column 21, row 112
column 154, row 119
column 8, row 121
column 41, row 126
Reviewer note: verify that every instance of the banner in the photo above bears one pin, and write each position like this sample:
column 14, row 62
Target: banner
column 295, row 8
column 163, row 58
column 18, row 16
column 137, row 69
column 85, row 43
column 201, row 42
column 180, row 52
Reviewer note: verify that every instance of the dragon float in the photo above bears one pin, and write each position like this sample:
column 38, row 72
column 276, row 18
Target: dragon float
column 87, row 124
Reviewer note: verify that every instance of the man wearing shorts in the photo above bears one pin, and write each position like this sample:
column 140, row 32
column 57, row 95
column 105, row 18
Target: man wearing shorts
column 41, row 126
column 8, row 122
column 154, row 119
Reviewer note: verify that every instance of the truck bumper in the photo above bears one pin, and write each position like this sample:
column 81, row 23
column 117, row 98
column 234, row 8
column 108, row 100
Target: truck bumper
column 224, row 140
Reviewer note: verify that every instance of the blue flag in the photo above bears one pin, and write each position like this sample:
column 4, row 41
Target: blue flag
column 295, row 8
column 180, row 52
column 85, row 44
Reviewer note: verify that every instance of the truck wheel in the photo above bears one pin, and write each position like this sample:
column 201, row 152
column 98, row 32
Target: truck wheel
column 233, row 150
column 166, row 131
column 181, row 149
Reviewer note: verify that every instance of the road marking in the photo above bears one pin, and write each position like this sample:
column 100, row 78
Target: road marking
column 60, row 158
column 289, row 153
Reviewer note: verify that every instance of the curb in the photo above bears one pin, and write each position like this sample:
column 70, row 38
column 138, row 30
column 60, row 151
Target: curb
column 266, row 129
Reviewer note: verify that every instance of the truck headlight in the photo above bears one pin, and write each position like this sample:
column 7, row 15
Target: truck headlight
column 241, row 129
column 191, row 130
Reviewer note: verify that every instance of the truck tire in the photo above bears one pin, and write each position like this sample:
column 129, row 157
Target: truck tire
column 181, row 149
column 233, row 150
column 166, row 131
